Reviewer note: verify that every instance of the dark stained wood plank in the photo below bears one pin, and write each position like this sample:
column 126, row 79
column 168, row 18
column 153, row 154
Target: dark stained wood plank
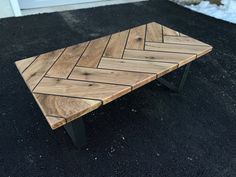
column 116, row 45
column 81, row 89
column 22, row 65
column 35, row 72
column 179, row 58
column 93, row 53
column 198, row 50
column 111, row 76
column 136, row 38
column 65, row 107
column 158, row 68
column 154, row 32
column 64, row 65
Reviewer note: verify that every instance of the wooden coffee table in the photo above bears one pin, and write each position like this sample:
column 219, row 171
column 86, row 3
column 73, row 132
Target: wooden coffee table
column 71, row 82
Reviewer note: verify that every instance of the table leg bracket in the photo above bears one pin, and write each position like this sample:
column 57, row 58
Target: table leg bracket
column 76, row 131
column 180, row 86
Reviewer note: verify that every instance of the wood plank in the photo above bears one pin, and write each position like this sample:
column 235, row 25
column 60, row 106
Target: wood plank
column 198, row 50
column 65, row 107
column 179, row 58
column 55, row 122
column 136, row 38
column 23, row 64
column 169, row 32
column 64, row 65
column 81, row 89
column 34, row 73
column 154, row 32
column 116, row 45
column 111, row 76
column 183, row 40
column 158, row 68
column 183, row 35
column 93, row 53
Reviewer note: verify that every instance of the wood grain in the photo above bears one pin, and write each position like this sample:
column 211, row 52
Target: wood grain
column 169, row 32
column 116, row 45
column 178, row 58
column 81, row 89
column 158, row 68
column 136, row 38
column 55, row 122
column 154, row 32
column 64, row 65
column 111, row 76
column 93, row 53
column 198, row 50
column 65, row 107
column 183, row 40
column 22, row 65
column 35, row 72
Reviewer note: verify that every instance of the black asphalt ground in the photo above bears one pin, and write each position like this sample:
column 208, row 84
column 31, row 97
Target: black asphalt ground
column 151, row 132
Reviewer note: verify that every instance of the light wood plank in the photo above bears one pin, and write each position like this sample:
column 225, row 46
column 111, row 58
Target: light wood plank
column 65, row 107
column 81, row 89
column 178, row 58
column 93, row 53
column 111, row 76
column 158, row 68
column 34, row 73
column 183, row 35
column 169, row 32
column 55, row 122
column 154, row 32
column 116, row 45
column 136, row 38
column 23, row 64
column 183, row 40
column 64, row 65
column 198, row 50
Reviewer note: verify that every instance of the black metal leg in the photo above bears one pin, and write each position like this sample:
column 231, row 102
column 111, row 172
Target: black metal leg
column 76, row 131
column 184, row 77
column 171, row 86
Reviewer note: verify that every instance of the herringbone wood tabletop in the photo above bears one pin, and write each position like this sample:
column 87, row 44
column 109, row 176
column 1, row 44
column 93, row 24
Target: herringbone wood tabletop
column 70, row 82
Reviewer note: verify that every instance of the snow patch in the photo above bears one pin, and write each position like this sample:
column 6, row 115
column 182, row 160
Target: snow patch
column 226, row 12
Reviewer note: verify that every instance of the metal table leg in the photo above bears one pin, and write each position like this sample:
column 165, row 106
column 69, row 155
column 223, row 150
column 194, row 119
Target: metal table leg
column 76, row 130
column 173, row 87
